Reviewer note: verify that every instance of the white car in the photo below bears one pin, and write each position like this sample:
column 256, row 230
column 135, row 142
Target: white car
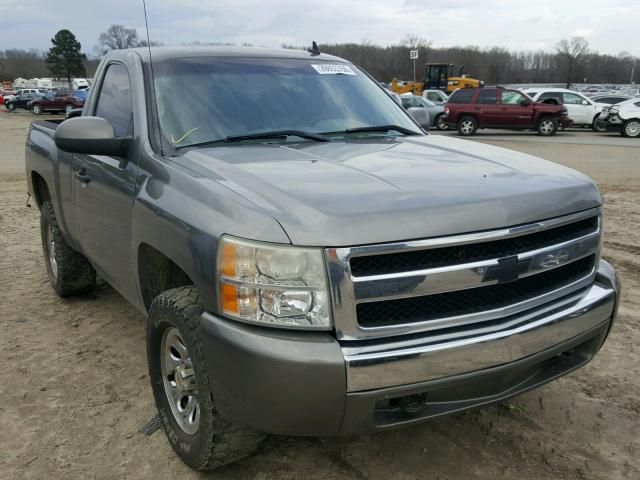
column 583, row 111
column 436, row 96
column 623, row 117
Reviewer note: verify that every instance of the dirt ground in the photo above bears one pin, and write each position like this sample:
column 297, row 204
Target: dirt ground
column 74, row 389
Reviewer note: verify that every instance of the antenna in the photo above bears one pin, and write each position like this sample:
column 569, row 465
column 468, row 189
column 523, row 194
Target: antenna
column 314, row 50
column 153, row 83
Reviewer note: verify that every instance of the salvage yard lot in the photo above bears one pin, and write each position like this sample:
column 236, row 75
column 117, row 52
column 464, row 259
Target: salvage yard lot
column 75, row 389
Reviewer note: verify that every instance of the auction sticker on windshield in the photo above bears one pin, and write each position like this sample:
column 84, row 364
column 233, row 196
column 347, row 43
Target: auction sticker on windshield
column 333, row 69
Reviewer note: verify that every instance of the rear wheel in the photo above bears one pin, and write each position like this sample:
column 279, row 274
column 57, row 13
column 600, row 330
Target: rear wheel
column 547, row 126
column 467, row 126
column 68, row 108
column 11, row 107
column 69, row 271
column 200, row 436
column 631, row 128
column 440, row 123
column 36, row 109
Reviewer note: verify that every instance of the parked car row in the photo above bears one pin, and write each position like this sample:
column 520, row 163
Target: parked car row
column 545, row 110
column 39, row 101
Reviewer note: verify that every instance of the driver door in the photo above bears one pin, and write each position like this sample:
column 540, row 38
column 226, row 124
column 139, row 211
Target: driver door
column 516, row 109
column 104, row 186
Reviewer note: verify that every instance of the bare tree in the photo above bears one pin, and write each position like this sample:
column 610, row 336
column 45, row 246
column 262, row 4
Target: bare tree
column 117, row 37
column 572, row 55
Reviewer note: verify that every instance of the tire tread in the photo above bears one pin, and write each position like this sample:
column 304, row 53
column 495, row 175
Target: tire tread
column 227, row 441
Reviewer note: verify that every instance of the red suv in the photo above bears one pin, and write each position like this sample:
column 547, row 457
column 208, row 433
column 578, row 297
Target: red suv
column 60, row 101
column 471, row 108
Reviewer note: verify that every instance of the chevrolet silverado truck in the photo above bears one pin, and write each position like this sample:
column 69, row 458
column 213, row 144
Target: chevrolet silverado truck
column 310, row 260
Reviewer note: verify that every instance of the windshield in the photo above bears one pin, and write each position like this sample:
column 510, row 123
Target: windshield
column 211, row 98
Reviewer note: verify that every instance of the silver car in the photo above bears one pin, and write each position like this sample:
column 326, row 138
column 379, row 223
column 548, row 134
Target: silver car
column 409, row 100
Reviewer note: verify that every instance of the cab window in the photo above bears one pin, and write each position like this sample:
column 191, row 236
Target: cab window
column 114, row 100
column 488, row 97
column 510, row 97
column 461, row 96
column 572, row 99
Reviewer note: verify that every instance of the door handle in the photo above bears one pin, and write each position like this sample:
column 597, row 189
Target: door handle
column 82, row 176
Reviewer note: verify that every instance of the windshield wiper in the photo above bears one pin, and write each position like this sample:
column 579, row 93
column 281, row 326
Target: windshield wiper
column 380, row 128
column 260, row 135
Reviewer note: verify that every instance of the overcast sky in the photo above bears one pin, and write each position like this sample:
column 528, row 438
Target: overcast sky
column 610, row 26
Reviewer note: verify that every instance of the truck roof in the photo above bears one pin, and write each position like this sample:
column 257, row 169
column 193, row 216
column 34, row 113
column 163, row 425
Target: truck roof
column 164, row 53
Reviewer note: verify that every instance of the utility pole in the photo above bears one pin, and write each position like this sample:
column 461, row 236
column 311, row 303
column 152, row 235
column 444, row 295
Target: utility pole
column 413, row 55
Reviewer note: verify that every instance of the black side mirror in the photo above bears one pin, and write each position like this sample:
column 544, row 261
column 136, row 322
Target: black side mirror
column 90, row 136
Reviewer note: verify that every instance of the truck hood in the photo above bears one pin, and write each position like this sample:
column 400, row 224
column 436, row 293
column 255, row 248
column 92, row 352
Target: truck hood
column 382, row 190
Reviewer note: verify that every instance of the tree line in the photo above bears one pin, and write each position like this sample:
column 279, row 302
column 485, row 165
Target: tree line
column 571, row 61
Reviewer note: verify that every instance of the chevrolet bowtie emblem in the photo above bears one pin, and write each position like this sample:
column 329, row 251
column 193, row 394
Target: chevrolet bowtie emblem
column 507, row 270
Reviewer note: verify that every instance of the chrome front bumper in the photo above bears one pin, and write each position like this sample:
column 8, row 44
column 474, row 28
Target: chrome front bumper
column 385, row 364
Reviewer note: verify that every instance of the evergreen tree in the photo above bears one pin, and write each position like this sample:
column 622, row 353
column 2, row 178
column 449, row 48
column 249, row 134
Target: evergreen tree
column 64, row 56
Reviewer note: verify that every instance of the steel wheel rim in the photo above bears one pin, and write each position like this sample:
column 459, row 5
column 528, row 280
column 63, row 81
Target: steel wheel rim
column 68, row 108
column 632, row 129
column 179, row 381
column 546, row 126
column 51, row 250
column 467, row 126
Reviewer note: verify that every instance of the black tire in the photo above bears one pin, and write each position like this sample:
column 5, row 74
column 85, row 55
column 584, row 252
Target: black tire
column 439, row 123
column 69, row 272
column 547, row 126
column 216, row 441
column 595, row 127
column 36, row 110
column 11, row 107
column 68, row 108
column 467, row 126
column 631, row 128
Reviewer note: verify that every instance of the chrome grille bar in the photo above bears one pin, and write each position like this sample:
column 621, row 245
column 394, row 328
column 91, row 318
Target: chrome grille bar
column 348, row 291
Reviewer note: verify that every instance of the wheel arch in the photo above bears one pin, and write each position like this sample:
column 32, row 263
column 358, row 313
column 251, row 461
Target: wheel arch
column 41, row 191
column 158, row 273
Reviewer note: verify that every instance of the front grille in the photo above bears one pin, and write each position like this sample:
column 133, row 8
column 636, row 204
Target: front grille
column 472, row 252
column 442, row 305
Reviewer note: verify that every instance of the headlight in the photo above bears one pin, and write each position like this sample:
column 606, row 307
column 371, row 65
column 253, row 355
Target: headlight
column 272, row 284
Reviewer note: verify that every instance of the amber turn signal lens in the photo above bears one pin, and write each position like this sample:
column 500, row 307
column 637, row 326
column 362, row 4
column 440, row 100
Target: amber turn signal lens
column 229, row 295
column 228, row 267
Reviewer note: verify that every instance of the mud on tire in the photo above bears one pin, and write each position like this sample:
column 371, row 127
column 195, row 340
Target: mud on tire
column 69, row 271
column 217, row 441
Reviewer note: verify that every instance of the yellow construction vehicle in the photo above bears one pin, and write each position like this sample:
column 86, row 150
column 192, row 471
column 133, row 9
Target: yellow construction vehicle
column 438, row 76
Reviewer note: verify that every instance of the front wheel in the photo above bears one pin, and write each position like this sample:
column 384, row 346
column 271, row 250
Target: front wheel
column 596, row 127
column 631, row 128
column 547, row 126
column 467, row 126
column 11, row 107
column 36, row 109
column 440, row 123
column 202, row 438
column 68, row 108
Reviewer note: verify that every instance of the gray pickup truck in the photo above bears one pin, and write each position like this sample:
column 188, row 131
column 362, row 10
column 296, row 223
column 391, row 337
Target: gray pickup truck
column 310, row 260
